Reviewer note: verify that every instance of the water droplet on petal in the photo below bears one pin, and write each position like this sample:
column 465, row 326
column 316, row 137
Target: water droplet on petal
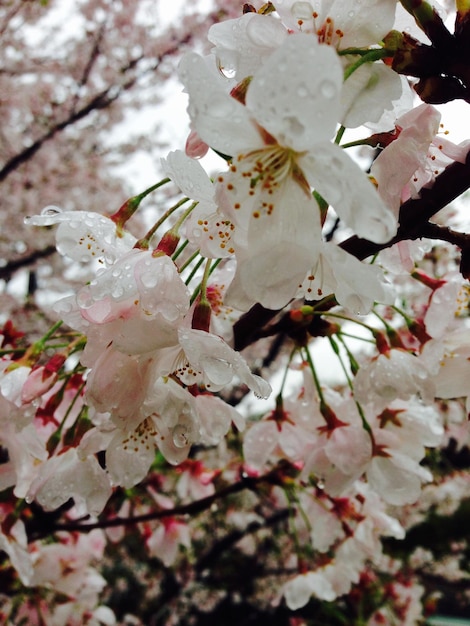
column 227, row 64
column 328, row 89
column 51, row 210
column 181, row 436
column 218, row 371
column 149, row 279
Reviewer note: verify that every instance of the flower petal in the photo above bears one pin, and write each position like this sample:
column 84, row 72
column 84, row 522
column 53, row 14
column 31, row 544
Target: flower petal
column 295, row 94
column 242, row 43
column 345, row 186
column 220, row 120
column 189, row 176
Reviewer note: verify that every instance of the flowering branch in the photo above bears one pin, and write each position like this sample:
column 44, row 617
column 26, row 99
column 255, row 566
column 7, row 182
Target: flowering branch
column 273, row 477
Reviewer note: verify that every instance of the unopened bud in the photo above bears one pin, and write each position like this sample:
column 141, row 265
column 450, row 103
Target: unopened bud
column 240, row 90
column 202, row 316
column 168, row 243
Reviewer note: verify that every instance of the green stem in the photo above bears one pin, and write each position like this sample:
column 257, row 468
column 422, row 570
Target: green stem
column 286, row 371
column 339, row 134
column 203, row 284
column 315, row 377
column 188, row 262
column 143, row 244
column 212, row 268
column 180, row 249
column 127, row 210
column 370, row 57
column 335, row 349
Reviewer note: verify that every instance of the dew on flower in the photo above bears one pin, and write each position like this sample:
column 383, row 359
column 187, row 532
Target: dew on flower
column 51, row 210
column 181, row 436
column 48, row 216
column 149, row 279
column 328, row 89
column 227, row 65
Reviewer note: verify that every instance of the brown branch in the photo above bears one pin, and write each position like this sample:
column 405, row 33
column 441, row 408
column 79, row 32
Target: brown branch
column 93, row 57
column 416, row 213
column 10, row 268
column 221, row 546
column 101, row 100
column 414, row 224
column 274, row 477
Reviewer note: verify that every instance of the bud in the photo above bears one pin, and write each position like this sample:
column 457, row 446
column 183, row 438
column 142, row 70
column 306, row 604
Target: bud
column 202, row 315
column 381, row 342
column 240, row 90
column 195, row 147
column 168, row 244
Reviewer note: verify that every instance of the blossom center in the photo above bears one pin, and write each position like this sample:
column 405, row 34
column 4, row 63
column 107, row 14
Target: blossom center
column 307, row 20
column 271, row 165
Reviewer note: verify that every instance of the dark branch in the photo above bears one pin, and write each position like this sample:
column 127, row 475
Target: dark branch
column 414, row 224
column 10, row 268
column 193, row 508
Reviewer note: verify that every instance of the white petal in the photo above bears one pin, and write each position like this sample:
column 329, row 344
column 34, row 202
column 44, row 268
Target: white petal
column 83, row 235
column 363, row 23
column 345, row 186
column 273, row 275
column 242, row 43
column 220, row 120
column 259, row 442
column 189, row 176
column 128, row 457
column 295, row 95
column 359, row 284
column 368, row 93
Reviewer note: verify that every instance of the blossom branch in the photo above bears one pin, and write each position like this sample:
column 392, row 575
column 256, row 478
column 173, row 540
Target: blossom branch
column 414, row 224
column 232, row 538
column 416, row 212
column 274, row 477
column 10, row 268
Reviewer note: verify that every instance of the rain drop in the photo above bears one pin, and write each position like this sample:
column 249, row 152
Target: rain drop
column 149, row 279
column 328, row 89
column 181, row 436
column 227, row 66
column 51, row 210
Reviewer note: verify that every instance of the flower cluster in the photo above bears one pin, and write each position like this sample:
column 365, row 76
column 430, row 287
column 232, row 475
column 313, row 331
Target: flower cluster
column 147, row 405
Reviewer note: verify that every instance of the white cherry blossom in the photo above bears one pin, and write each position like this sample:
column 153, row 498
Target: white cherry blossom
column 340, row 23
column 356, row 285
column 68, row 476
column 85, row 236
column 204, row 358
column 280, row 144
column 206, row 227
column 396, row 374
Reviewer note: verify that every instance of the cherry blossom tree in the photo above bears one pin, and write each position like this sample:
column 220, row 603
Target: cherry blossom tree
column 249, row 402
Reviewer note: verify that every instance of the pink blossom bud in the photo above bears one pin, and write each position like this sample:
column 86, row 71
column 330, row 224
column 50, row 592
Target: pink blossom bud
column 195, row 147
column 38, row 382
column 202, row 316
column 167, row 244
